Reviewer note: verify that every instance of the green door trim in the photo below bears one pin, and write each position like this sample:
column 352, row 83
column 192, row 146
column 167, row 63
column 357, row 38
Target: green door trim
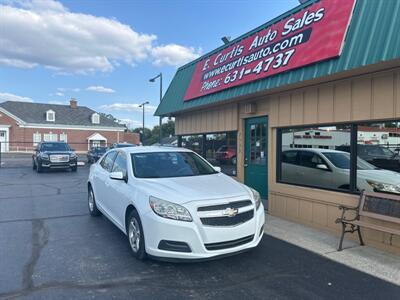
column 256, row 154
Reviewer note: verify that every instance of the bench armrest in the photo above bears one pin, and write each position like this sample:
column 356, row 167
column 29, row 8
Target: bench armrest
column 344, row 208
column 343, row 217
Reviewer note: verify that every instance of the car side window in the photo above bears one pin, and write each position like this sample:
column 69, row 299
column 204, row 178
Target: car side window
column 120, row 163
column 290, row 157
column 310, row 160
column 108, row 161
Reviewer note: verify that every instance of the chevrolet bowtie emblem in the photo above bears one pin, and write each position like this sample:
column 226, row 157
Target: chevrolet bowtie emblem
column 230, row 212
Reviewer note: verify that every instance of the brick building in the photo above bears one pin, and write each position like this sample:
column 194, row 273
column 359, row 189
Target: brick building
column 24, row 124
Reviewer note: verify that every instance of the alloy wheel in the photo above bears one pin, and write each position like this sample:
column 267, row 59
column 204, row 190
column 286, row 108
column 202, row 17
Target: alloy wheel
column 134, row 235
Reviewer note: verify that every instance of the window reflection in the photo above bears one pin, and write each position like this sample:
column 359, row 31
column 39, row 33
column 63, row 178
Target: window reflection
column 379, row 145
column 221, row 151
column 312, row 157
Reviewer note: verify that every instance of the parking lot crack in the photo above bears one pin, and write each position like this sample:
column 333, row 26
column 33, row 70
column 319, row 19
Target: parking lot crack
column 40, row 236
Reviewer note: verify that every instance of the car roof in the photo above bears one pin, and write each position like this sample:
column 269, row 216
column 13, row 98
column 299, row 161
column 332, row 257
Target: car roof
column 315, row 150
column 151, row 149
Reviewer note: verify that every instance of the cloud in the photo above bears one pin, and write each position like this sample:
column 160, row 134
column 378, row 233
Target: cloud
column 128, row 107
column 130, row 123
column 174, row 55
column 76, row 42
column 12, row 97
column 100, row 89
column 63, row 90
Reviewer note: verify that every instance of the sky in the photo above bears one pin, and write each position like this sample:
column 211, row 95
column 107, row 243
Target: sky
column 103, row 52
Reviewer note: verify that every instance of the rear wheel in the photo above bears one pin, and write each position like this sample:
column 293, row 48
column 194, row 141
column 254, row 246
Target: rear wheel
column 136, row 235
column 92, row 204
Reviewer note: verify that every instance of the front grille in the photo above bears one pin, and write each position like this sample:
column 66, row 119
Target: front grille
column 56, row 158
column 229, row 244
column 228, row 221
column 237, row 204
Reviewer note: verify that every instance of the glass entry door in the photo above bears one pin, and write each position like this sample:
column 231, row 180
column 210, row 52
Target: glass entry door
column 256, row 155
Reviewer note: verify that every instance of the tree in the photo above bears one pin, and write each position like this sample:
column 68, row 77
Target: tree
column 152, row 136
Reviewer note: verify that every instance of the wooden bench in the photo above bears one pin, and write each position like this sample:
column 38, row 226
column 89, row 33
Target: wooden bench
column 379, row 206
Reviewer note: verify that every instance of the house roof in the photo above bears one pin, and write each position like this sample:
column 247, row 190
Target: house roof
column 372, row 38
column 64, row 115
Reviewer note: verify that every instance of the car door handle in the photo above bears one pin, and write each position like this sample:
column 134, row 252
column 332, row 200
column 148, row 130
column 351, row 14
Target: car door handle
column 246, row 165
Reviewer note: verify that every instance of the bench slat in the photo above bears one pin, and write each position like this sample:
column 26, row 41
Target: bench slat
column 376, row 227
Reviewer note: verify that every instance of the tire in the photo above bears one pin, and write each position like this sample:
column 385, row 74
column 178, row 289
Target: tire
column 134, row 228
column 74, row 169
column 39, row 168
column 93, row 210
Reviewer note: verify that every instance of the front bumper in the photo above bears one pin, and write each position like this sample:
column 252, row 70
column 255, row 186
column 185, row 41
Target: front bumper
column 61, row 165
column 223, row 241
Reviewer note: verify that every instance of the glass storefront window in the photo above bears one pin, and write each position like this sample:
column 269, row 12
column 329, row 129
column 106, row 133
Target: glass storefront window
column 378, row 145
column 312, row 157
column 218, row 148
column 193, row 142
column 221, row 151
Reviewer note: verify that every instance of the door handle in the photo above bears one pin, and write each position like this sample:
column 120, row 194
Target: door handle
column 245, row 165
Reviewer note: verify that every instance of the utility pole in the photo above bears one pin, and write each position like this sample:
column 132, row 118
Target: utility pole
column 143, row 106
column 153, row 80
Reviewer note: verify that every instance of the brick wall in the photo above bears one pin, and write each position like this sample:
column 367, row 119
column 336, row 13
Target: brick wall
column 21, row 139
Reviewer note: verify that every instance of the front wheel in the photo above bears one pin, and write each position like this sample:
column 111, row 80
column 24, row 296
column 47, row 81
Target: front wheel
column 93, row 210
column 136, row 235
column 74, row 169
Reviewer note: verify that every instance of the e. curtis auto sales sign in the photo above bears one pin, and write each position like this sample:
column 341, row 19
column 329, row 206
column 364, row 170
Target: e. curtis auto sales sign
column 313, row 34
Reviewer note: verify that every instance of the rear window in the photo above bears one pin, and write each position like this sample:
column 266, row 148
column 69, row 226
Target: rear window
column 54, row 147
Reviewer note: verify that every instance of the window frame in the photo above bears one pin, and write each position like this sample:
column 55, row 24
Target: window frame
column 50, row 113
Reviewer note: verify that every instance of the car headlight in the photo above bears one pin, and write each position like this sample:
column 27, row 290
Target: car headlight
column 44, row 156
column 169, row 210
column 256, row 197
column 384, row 187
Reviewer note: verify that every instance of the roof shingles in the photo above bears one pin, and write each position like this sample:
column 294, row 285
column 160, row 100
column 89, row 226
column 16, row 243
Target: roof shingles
column 64, row 115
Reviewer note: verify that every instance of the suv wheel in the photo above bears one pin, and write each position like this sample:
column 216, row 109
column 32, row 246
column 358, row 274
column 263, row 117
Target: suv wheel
column 92, row 204
column 39, row 168
column 136, row 235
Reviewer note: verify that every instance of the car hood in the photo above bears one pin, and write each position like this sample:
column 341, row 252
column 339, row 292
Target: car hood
column 385, row 176
column 57, row 152
column 182, row 190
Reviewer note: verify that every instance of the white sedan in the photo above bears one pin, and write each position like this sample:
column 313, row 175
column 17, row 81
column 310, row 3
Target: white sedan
column 172, row 204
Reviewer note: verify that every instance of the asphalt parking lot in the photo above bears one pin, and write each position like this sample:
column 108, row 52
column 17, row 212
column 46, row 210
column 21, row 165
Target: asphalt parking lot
column 50, row 248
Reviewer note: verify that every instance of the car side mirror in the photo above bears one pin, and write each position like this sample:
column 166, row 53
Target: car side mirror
column 118, row 176
column 322, row 167
column 218, row 169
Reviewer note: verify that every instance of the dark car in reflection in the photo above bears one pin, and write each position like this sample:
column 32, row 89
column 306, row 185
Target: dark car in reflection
column 54, row 155
column 95, row 153
column 379, row 156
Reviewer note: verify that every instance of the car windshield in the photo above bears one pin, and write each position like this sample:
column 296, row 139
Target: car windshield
column 169, row 164
column 54, row 147
column 342, row 161
column 100, row 150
